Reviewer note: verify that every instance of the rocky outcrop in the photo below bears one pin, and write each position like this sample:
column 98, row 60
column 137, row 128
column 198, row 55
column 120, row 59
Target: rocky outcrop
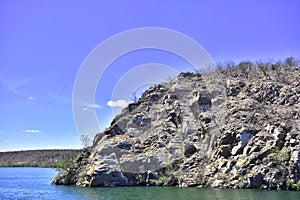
column 214, row 129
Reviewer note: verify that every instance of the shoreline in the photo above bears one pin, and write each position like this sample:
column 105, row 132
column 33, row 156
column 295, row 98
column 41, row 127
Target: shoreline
column 44, row 158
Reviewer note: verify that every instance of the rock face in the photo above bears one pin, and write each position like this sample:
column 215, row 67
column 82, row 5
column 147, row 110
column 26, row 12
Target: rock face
column 219, row 130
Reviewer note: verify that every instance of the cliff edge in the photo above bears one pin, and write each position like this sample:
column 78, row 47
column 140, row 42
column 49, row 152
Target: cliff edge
column 237, row 127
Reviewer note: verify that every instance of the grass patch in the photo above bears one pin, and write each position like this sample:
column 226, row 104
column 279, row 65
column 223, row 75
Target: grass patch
column 280, row 156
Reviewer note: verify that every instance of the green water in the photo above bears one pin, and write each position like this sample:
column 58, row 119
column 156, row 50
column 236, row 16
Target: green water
column 161, row 193
column 34, row 183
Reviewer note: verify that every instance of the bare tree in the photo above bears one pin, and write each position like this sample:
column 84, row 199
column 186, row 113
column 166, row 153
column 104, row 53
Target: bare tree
column 86, row 140
column 134, row 97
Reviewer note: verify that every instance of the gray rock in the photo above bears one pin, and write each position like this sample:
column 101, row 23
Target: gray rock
column 124, row 145
column 237, row 149
column 225, row 151
column 204, row 100
column 189, row 149
column 109, row 178
column 217, row 183
column 186, row 131
column 227, row 138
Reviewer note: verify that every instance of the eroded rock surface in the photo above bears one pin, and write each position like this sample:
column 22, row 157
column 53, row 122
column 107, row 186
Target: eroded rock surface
column 213, row 130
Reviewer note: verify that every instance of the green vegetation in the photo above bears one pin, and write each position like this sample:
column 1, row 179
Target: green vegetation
column 20, row 164
column 292, row 185
column 66, row 163
column 168, row 175
column 280, row 156
column 162, row 180
column 141, row 179
column 39, row 158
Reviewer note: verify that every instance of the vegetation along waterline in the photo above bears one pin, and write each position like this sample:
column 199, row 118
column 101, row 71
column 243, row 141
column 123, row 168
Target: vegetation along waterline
column 236, row 127
column 52, row 158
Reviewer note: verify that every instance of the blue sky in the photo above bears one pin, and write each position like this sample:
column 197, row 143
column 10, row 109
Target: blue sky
column 44, row 43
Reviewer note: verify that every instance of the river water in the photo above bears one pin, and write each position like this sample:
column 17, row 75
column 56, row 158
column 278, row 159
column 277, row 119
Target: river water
column 34, row 183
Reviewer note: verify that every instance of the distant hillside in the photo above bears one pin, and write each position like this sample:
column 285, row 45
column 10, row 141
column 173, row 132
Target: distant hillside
column 56, row 158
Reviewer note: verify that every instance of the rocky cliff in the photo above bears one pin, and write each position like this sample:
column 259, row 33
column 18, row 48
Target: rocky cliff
column 236, row 127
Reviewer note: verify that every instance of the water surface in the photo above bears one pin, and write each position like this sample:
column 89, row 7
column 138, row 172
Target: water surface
column 34, row 183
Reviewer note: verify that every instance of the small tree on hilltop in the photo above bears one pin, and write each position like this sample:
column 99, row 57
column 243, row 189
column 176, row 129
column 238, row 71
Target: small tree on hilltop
column 86, row 140
column 134, row 97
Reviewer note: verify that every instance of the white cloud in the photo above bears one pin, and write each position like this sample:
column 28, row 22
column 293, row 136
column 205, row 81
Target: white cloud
column 13, row 86
column 97, row 106
column 32, row 131
column 119, row 103
column 31, row 98
column 89, row 107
